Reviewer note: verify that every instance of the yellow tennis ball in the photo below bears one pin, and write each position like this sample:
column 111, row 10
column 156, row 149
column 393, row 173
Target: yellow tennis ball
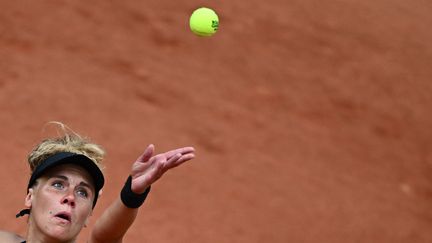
column 204, row 22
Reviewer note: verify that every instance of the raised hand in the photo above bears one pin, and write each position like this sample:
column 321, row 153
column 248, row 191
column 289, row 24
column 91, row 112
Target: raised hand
column 148, row 168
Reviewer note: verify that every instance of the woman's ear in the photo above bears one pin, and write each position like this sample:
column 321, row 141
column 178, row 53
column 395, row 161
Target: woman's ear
column 29, row 198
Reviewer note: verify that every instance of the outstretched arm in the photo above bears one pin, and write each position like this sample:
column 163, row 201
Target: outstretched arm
column 116, row 220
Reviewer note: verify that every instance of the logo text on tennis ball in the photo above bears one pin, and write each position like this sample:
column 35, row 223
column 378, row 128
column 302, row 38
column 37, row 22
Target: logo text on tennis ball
column 215, row 24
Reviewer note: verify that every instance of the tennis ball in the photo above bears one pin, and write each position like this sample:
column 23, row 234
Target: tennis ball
column 204, row 22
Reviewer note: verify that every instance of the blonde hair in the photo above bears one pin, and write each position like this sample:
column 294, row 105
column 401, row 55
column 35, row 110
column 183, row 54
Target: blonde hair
column 69, row 141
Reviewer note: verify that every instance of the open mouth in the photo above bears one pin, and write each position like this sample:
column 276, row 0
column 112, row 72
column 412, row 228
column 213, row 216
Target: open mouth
column 63, row 216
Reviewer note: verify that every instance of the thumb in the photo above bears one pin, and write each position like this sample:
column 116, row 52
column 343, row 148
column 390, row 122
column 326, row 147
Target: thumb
column 148, row 152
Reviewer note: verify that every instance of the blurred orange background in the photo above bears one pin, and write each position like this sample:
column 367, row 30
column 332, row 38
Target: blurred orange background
column 311, row 119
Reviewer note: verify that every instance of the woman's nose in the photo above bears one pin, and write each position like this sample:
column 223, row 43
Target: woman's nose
column 69, row 199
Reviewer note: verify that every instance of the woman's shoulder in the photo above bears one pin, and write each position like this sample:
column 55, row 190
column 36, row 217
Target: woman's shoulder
column 9, row 237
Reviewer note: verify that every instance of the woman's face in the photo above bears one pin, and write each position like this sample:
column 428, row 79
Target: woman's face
column 61, row 202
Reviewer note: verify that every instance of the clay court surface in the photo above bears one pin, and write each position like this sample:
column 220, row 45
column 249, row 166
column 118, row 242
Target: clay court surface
column 311, row 120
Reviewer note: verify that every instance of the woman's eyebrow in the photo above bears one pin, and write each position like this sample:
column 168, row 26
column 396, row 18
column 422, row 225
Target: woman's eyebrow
column 82, row 183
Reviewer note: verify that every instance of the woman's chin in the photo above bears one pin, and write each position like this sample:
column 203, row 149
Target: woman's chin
column 61, row 233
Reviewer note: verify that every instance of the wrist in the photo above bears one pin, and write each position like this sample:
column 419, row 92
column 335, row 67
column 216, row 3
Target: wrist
column 131, row 199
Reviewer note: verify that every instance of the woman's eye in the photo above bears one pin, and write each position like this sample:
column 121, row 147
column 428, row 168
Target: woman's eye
column 58, row 185
column 83, row 193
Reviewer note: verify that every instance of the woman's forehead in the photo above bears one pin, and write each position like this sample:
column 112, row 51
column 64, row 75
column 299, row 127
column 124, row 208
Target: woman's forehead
column 71, row 172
